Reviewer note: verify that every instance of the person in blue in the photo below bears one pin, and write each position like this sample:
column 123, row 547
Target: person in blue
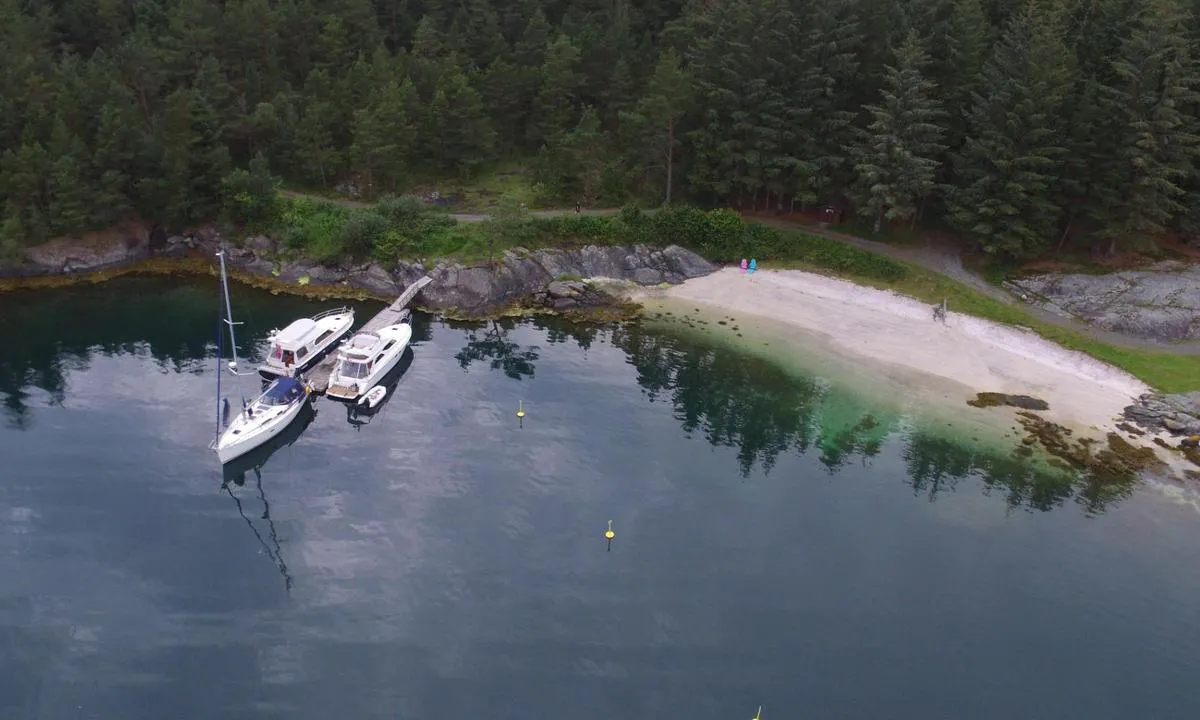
column 753, row 265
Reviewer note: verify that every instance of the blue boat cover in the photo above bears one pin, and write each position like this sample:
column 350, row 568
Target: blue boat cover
column 283, row 391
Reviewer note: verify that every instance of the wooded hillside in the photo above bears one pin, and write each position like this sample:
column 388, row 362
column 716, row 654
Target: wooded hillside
column 1019, row 124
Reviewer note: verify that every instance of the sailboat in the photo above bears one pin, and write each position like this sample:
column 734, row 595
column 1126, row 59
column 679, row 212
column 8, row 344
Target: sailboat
column 264, row 417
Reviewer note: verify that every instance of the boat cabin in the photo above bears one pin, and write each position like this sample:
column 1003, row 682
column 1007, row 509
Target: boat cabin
column 358, row 360
column 297, row 341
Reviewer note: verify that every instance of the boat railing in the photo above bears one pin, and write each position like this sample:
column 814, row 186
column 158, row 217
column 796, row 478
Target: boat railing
column 329, row 313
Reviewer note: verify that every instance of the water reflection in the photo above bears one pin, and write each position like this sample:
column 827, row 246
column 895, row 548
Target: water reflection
column 234, row 475
column 488, row 342
column 728, row 398
column 737, row 400
column 170, row 320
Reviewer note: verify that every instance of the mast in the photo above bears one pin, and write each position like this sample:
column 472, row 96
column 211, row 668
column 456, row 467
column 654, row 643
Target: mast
column 217, row 432
column 228, row 314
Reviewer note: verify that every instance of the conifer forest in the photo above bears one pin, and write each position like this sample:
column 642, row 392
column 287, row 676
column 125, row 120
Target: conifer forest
column 1019, row 127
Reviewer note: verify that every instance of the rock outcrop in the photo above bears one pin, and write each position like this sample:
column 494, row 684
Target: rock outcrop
column 549, row 278
column 67, row 256
column 1159, row 303
column 1177, row 414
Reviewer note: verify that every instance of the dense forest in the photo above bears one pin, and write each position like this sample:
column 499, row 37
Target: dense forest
column 1021, row 125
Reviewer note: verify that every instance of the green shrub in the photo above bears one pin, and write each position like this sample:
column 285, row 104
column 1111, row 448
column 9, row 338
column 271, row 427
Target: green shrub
column 361, row 231
column 402, row 212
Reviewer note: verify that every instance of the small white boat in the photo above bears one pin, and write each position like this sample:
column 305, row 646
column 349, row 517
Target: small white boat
column 365, row 359
column 301, row 345
column 262, row 419
column 374, row 396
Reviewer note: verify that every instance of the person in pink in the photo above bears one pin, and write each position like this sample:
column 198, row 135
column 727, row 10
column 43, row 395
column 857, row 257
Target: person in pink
column 743, row 266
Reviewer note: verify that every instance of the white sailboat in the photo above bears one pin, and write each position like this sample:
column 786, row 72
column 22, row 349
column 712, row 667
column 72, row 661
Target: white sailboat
column 264, row 417
column 365, row 359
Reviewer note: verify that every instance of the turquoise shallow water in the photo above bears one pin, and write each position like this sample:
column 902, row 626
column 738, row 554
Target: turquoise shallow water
column 781, row 540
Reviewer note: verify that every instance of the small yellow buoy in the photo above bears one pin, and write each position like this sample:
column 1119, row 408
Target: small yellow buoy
column 609, row 534
column 520, row 408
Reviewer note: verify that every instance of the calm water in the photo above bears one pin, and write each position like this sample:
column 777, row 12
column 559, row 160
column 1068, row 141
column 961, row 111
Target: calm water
column 779, row 540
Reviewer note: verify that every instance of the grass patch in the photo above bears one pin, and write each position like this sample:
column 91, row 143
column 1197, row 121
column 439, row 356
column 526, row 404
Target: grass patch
column 1168, row 372
column 404, row 228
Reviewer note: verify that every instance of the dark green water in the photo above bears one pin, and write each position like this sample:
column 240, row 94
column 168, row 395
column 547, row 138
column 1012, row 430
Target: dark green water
column 780, row 541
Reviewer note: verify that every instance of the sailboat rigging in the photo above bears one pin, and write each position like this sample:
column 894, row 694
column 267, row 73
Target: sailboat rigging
column 268, row 414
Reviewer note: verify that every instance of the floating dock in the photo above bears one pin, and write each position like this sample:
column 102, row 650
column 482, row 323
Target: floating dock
column 397, row 312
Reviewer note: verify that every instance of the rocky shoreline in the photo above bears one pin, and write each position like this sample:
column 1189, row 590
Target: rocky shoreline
column 553, row 279
column 1178, row 415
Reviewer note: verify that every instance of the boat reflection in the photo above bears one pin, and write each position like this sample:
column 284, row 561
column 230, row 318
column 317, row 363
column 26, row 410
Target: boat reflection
column 234, row 474
column 360, row 414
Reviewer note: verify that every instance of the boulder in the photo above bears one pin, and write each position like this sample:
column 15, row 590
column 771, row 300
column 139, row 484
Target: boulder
column 374, row 279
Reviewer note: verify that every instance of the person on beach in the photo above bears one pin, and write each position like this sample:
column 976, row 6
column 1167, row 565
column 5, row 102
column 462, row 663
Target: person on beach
column 743, row 266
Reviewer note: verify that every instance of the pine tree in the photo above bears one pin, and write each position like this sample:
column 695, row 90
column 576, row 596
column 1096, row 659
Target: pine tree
column 1158, row 84
column 554, row 109
column 897, row 159
column 657, row 117
column 383, row 136
column 1008, row 172
column 462, row 126
column 66, row 186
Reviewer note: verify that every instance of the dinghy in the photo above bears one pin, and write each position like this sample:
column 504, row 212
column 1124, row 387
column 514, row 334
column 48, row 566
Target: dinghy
column 373, row 397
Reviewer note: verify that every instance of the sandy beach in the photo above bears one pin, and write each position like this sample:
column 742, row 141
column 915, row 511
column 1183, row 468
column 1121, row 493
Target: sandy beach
column 893, row 329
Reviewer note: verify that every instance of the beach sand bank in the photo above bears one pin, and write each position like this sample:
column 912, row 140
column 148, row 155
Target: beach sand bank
column 946, row 364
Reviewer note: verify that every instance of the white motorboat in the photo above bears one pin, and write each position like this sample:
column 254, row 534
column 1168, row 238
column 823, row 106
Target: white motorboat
column 263, row 418
column 301, row 345
column 365, row 359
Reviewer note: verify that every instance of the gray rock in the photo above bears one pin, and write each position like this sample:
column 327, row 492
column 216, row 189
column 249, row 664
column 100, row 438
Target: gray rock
column 69, row 256
column 647, row 276
column 376, row 280
column 563, row 290
column 260, row 244
column 1160, row 303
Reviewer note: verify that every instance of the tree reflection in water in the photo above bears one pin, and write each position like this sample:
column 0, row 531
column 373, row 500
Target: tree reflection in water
column 489, row 342
column 737, row 400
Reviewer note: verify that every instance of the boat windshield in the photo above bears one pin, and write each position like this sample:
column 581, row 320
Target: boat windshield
column 283, row 391
column 355, row 370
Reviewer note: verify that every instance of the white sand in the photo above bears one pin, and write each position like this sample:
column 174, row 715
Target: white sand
column 890, row 328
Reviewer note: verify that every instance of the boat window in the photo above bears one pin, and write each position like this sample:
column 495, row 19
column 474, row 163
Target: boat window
column 355, row 370
column 288, row 358
column 301, row 353
column 389, row 345
column 277, row 352
column 321, row 338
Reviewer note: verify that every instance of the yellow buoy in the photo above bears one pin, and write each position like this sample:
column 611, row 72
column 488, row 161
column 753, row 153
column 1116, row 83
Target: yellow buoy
column 520, row 408
column 609, row 534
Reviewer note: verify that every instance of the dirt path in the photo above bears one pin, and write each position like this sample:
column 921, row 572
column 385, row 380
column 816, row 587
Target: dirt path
column 948, row 261
column 939, row 258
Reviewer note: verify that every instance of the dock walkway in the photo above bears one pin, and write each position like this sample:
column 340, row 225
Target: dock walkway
column 318, row 376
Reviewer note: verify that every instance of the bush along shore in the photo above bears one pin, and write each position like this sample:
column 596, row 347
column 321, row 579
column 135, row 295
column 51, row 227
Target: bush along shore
column 517, row 260
column 512, row 259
